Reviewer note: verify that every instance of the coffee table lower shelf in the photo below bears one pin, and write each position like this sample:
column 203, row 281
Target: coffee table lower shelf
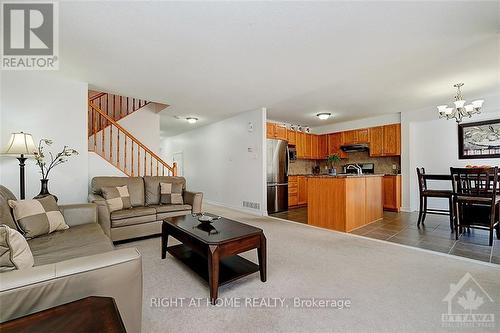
column 231, row 268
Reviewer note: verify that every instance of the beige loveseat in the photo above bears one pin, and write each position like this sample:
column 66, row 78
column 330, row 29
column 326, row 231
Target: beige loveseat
column 146, row 215
column 70, row 265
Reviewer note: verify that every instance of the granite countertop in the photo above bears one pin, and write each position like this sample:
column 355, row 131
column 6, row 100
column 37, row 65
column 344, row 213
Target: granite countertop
column 347, row 175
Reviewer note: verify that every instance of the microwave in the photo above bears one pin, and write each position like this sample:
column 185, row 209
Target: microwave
column 292, row 153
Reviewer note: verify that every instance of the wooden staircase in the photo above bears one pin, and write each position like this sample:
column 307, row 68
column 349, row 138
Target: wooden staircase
column 115, row 144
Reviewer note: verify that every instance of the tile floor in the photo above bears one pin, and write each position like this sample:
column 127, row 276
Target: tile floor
column 435, row 235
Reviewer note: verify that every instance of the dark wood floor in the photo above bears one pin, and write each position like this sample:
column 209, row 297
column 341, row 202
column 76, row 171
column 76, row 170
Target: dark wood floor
column 435, row 235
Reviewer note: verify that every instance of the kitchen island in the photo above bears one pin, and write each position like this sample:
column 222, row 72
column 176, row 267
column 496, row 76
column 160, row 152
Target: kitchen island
column 344, row 202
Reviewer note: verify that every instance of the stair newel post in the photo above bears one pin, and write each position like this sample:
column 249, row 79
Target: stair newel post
column 174, row 169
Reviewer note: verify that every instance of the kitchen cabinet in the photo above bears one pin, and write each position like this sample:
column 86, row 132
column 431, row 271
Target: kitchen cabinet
column 276, row 131
column 392, row 140
column 323, row 146
column 377, row 141
column 335, row 140
column 357, row 136
column 302, row 190
column 350, row 137
column 308, row 146
column 363, row 135
column 300, row 138
column 291, row 137
column 392, row 192
column 315, row 147
column 293, row 191
column 385, row 140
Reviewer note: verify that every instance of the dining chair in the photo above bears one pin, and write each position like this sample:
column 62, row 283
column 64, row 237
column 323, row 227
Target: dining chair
column 476, row 199
column 425, row 193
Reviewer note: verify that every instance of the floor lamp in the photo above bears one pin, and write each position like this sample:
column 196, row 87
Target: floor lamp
column 21, row 144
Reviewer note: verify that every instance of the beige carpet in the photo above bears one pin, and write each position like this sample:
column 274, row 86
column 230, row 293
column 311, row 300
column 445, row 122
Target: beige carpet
column 391, row 288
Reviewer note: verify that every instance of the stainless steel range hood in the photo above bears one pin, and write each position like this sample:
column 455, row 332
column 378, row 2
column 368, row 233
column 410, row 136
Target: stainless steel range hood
column 354, row 148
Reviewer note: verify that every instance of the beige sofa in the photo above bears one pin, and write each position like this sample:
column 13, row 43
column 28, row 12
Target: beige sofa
column 146, row 215
column 70, row 265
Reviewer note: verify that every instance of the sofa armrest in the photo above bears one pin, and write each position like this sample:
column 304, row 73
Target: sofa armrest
column 79, row 214
column 116, row 274
column 103, row 213
column 194, row 199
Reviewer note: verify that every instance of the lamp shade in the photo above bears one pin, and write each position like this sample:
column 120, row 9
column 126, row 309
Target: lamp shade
column 20, row 143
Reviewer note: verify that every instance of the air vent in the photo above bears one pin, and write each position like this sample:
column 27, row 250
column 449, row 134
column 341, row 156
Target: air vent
column 252, row 205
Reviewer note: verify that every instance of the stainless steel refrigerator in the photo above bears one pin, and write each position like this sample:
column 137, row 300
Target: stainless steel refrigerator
column 277, row 175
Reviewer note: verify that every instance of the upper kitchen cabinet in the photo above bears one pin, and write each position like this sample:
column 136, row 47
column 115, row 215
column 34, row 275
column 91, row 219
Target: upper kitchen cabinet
column 385, row 140
column 357, row 136
column 335, row 140
column 276, row 131
column 323, row 146
column 300, row 143
column 377, row 141
column 308, row 146
column 392, row 140
column 315, row 146
column 350, row 137
column 291, row 136
column 363, row 135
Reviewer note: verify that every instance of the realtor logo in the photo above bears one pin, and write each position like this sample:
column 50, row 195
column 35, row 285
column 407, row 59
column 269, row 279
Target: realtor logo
column 30, row 36
column 464, row 302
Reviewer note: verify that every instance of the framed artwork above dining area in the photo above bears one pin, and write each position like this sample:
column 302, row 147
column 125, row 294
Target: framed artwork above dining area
column 479, row 140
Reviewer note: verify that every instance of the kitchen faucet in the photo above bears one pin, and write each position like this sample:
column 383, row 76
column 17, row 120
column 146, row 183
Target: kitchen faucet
column 358, row 169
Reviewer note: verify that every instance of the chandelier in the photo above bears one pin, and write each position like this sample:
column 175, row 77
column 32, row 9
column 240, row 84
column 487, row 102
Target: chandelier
column 460, row 110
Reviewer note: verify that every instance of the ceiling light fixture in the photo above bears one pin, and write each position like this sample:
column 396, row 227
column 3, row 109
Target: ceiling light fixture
column 460, row 110
column 191, row 120
column 324, row 115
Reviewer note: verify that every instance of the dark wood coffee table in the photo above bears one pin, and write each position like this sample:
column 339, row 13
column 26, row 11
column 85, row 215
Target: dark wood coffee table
column 211, row 249
column 91, row 314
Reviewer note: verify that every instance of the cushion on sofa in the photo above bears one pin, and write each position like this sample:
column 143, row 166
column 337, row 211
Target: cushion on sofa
column 117, row 198
column 170, row 208
column 14, row 250
column 133, row 220
column 5, row 210
column 38, row 216
column 135, row 187
column 78, row 241
column 152, row 187
column 133, row 212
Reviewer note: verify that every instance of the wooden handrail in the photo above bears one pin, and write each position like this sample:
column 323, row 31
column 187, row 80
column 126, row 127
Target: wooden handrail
column 96, row 96
column 111, row 121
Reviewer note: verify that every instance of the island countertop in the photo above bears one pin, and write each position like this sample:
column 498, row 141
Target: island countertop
column 346, row 175
column 344, row 202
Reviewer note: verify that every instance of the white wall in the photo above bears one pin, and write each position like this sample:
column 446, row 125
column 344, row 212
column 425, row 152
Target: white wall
column 144, row 124
column 217, row 161
column 434, row 146
column 98, row 166
column 360, row 123
column 47, row 106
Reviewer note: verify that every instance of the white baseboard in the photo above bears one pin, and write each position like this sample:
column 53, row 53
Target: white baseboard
column 241, row 209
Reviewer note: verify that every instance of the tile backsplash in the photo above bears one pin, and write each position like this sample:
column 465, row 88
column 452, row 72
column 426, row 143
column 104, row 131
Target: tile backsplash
column 382, row 164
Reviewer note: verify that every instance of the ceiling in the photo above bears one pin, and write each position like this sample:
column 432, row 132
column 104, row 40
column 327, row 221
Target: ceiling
column 212, row 60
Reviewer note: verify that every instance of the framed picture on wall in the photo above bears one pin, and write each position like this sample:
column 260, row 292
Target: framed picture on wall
column 479, row 140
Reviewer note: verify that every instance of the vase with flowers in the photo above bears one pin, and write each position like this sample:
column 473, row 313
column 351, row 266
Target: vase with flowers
column 46, row 165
